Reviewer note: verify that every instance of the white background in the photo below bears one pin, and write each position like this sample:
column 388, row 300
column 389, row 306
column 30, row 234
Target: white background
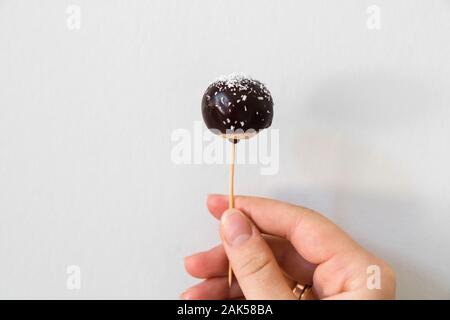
column 86, row 117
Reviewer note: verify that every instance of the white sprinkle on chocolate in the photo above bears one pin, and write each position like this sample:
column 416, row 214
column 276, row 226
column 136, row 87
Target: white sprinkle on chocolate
column 240, row 82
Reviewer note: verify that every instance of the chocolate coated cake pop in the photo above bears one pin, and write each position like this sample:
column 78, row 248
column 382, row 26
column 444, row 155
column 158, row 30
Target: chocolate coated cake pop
column 237, row 106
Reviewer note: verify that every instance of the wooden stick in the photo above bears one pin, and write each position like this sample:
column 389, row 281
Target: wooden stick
column 231, row 199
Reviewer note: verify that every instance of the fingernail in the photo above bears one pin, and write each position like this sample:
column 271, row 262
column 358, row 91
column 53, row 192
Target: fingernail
column 216, row 195
column 236, row 227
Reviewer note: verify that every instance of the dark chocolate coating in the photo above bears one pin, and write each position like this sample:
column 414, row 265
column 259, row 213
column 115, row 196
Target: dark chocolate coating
column 237, row 103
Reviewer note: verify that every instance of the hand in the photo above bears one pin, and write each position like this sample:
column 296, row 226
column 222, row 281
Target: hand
column 272, row 246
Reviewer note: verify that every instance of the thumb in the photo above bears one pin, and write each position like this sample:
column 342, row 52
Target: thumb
column 251, row 259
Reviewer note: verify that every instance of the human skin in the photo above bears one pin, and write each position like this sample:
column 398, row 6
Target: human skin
column 273, row 245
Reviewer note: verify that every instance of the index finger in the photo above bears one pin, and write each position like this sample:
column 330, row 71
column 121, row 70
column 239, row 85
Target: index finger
column 316, row 238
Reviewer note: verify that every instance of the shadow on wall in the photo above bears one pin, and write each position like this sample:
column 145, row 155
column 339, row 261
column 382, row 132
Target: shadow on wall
column 359, row 187
column 414, row 282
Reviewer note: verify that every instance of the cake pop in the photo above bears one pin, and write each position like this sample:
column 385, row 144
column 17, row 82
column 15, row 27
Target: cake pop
column 236, row 107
